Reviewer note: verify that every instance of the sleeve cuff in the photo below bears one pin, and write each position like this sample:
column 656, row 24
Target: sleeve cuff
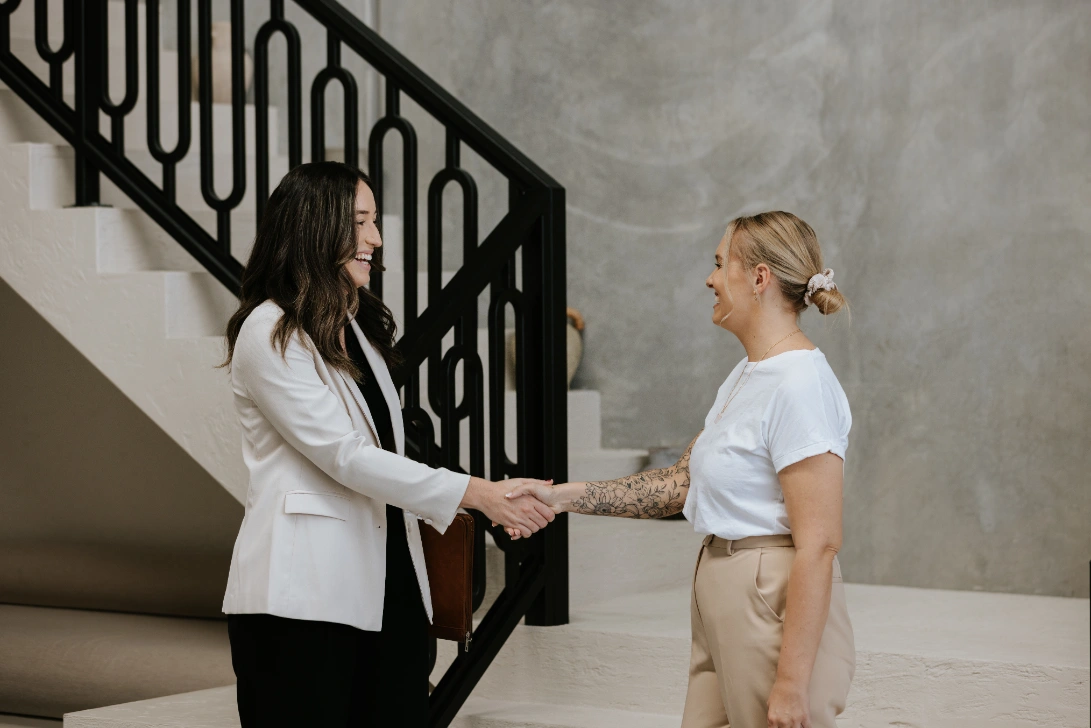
column 459, row 482
column 807, row 451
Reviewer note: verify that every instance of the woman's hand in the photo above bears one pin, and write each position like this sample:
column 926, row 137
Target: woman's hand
column 789, row 706
column 524, row 515
column 557, row 497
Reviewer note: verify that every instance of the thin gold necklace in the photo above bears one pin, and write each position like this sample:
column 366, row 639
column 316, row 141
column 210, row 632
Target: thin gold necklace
column 739, row 384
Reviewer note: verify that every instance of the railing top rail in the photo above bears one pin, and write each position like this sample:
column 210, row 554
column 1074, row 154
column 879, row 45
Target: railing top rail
column 432, row 97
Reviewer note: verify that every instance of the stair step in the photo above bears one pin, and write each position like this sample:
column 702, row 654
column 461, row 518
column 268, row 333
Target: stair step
column 19, row 123
column 26, row 52
column 60, row 660
column 22, row 23
column 593, row 465
column 211, row 708
column 19, row 721
column 197, row 305
column 52, row 184
column 50, row 258
column 129, row 241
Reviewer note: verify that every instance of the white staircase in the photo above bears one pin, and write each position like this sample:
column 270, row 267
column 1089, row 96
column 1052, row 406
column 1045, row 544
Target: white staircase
column 134, row 302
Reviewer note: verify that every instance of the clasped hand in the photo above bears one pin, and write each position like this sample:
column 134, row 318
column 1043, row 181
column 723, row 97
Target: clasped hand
column 518, row 515
column 537, row 491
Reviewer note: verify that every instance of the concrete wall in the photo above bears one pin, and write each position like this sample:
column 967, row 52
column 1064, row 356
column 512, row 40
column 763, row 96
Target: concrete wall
column 941, row 152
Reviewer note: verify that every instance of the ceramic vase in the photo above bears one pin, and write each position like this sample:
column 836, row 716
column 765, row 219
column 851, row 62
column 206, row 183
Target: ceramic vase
column 574, row 340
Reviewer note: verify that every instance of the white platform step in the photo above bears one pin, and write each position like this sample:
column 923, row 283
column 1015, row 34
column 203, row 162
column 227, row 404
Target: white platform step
column 925, row 658
column 217, row 708
column 483, row 713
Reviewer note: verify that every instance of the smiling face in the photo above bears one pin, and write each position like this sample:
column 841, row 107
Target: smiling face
column 367, row 236
column 733, row 297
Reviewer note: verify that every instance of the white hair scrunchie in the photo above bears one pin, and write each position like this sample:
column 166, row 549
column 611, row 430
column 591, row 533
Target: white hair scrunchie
column 819, row 282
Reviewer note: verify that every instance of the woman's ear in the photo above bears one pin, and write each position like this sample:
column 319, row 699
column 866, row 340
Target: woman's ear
column 760, row 277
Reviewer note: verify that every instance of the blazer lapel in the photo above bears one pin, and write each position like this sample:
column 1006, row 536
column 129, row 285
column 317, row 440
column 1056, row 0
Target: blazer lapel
column 359, row 397
column 386, row 384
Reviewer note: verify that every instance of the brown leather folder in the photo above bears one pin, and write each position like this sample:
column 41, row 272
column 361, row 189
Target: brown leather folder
column 450, row 561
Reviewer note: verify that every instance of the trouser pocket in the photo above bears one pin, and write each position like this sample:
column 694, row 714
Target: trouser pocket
column 772, row 566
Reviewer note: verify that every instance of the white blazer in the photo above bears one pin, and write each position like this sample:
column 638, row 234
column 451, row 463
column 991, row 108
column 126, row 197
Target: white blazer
column 313, row 539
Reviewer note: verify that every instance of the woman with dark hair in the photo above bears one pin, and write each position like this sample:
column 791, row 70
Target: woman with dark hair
column 327, row 598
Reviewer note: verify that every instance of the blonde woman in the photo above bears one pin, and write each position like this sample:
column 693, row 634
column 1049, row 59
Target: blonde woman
column 772, row 642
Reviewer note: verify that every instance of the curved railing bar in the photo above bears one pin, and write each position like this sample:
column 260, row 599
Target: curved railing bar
column 55, row 58
column 6, row 9
column 501, row 466
column 334, row 71
column 473, row 396
column 429, row 95
column 470, row 280
column 222, row 205
column 425, row 435
column 277, row 24
column 117, row 112
column 452, row 173
column 393, row 121
column 170, row 159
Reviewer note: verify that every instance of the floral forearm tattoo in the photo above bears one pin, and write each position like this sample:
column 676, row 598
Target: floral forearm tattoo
column 651, row 494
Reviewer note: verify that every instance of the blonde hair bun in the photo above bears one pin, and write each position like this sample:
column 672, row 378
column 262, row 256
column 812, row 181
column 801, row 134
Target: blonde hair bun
column 790, row 248
column 828, row 302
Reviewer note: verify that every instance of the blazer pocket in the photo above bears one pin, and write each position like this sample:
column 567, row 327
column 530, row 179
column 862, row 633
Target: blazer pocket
column 318, row 504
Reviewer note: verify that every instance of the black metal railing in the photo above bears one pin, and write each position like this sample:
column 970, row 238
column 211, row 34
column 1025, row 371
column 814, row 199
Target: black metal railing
column 519, row 265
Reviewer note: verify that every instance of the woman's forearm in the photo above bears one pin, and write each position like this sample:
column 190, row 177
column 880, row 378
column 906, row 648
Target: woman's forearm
column 806, row 610
column 651, row 494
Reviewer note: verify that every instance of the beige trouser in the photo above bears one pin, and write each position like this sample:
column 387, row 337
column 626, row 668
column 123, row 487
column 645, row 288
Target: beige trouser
column 737, row 612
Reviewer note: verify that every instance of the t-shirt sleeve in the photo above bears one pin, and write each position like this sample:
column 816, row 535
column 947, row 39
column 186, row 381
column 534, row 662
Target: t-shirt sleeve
column 801, row 422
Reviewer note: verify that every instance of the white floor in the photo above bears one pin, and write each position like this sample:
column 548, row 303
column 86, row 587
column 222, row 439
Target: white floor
column 926, row 658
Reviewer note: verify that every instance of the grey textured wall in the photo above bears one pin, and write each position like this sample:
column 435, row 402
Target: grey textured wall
column 941, row 152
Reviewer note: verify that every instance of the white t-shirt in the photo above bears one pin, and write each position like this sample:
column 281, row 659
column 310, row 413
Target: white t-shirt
column 792, row 407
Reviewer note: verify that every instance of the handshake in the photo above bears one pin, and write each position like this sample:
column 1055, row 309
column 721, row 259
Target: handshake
column 522, row 505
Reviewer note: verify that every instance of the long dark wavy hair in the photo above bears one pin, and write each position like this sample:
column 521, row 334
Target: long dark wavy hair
column 306, row 235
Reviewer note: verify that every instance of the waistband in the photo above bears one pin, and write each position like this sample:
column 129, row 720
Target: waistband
column 752, row 542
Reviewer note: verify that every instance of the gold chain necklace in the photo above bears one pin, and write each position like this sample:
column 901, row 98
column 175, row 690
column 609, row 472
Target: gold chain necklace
column 739, row 384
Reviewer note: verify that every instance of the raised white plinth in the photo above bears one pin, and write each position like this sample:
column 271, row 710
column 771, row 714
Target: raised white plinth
column 926, row 658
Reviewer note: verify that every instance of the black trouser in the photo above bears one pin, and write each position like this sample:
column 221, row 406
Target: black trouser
column 294, row 672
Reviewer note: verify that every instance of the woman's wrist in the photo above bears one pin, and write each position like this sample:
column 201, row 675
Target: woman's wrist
column 471, row 499
column 565, row 494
